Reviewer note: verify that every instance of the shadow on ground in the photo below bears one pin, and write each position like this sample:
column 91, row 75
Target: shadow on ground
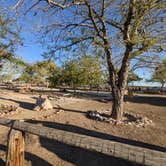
column 152, row 100
column 106, row 98
column 69, row 110
column 22, row 104
column 35, row 160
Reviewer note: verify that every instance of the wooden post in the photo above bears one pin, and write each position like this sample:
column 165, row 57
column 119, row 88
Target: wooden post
column 15, row 153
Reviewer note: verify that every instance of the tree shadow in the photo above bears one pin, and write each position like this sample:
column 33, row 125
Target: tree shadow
column 69, row 110
column 152, row 100
column 22, row 104
column 104, row 98
column 35, row 160
column 141, row 99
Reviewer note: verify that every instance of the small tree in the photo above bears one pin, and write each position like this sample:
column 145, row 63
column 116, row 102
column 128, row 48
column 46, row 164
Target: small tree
column 71, row 74
column 39, row 72
column 44, row 70
column 11, row 69
column 86, row 70
column 159, row 75
column 91, row 71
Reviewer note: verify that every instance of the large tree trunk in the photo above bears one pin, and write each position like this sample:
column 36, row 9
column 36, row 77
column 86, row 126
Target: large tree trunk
column 118, row 84
column 118, row 81
column 117, row 107
column 117, row 91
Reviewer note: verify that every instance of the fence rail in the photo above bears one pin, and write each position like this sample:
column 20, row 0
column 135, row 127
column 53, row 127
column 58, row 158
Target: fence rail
column 132, row 153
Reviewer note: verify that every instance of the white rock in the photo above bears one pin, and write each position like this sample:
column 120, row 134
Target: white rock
column 43, row 104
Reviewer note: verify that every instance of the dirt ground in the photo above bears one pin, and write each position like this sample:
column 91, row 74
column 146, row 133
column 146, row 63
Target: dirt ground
column 44, row 152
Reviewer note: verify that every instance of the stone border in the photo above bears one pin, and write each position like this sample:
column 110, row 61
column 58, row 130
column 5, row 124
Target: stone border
column 128, row 119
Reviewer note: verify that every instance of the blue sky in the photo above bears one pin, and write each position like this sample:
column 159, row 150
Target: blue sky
column 30, row 52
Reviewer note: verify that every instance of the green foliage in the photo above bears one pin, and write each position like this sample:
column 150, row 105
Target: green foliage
column 71, row 73
column 12, row 66
column 40, row 72
column 27, row 75
column 159, row 74
column 86, row 70
column 9, row 39
column 91, row 71
column 133, row 77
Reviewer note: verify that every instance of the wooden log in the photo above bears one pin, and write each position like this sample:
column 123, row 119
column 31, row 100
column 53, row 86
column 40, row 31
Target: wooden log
column 132, row 153
column 15, row 152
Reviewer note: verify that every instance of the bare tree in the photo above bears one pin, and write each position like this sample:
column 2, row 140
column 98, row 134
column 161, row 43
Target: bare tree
column 137, row 26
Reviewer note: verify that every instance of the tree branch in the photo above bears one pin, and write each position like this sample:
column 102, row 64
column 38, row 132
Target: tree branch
column 102, row 8
column 63, row 6
column 91, row 13
column 76, row 42
column 114, row 24
column 79, row 25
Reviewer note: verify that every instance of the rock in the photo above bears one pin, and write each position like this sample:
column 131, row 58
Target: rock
column 43, row 104
column 46, row 104
column 96, row 116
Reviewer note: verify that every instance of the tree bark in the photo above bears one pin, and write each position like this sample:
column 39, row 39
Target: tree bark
column 118, row 84
column 117, row 89
column 117, row 107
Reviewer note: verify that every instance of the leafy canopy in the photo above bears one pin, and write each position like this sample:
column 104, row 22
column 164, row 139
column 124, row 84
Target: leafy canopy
column 86, row 70
column 159, row 74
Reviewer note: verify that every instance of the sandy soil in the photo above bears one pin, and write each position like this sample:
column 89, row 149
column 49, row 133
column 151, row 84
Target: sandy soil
column 72, row 118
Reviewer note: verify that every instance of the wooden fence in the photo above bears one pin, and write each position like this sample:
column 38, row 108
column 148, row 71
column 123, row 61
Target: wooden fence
column 15, row 155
